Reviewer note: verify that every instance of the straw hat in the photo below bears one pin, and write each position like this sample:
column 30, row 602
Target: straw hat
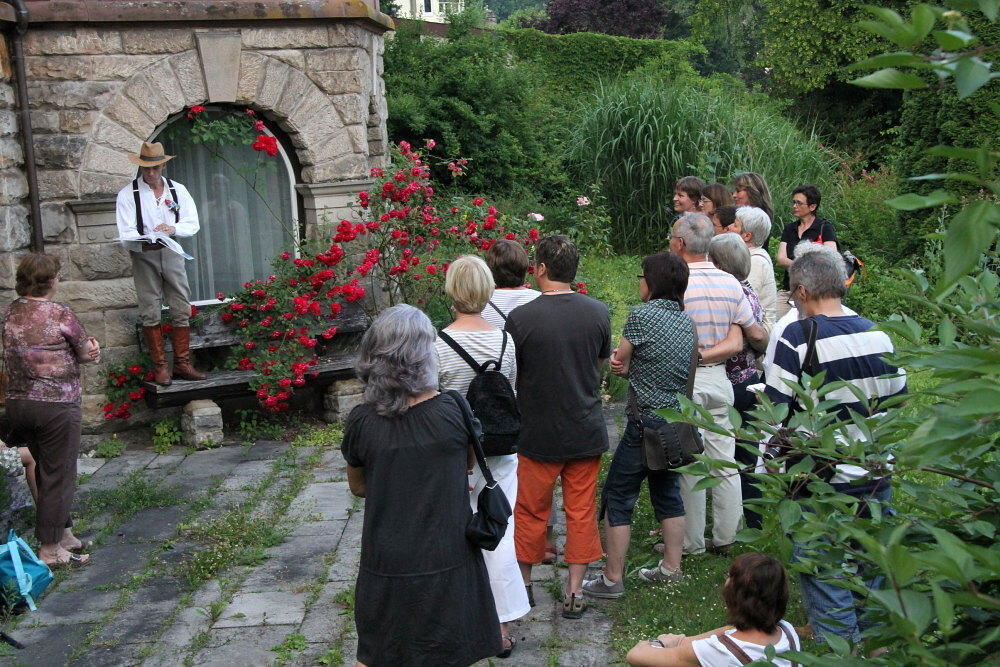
column 150, row 155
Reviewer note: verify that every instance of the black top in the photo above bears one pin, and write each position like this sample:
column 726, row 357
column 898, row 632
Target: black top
column 820, row 231
column 416, row 485
column 559, row 339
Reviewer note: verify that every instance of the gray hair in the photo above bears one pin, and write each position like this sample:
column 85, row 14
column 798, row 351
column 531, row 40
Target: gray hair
column 730, row 254
column 820, row 270
column 806, row 247
column 397, row 359
column 757, row 222
column 696, row 230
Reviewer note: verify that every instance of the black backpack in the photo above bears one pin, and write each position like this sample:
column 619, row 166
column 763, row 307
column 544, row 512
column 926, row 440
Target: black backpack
column 493, row 401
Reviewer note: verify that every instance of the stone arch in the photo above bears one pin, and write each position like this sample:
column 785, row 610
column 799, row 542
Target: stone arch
column 327, row 129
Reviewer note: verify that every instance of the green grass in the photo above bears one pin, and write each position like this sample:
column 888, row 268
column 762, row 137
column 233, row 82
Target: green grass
column 134, row 494
column 326, row 435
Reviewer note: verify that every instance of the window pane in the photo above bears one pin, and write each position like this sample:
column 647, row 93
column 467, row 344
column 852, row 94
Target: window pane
column 245, row 207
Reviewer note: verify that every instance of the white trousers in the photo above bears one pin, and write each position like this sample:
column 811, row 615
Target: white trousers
column 714, row 392
column 509, row 595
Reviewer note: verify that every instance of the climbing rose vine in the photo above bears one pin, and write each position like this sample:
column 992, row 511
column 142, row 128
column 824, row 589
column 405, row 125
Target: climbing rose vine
column 401, row 241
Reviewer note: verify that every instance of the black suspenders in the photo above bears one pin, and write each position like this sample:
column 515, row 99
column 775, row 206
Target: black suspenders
column 138, row 207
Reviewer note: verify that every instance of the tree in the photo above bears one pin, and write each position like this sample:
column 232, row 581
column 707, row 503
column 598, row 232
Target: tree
column 389, row 7
column 626, row 18
column 504, row 8
column 940, row 601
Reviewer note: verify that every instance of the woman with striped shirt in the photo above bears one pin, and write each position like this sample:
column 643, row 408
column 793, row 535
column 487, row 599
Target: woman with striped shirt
column 469, row 284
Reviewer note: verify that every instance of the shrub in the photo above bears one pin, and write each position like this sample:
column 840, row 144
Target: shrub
column 642, row 135
column 866, row 225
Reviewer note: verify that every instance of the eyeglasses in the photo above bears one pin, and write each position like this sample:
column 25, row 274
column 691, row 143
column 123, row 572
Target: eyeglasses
column 641, row 276
column 799, row 203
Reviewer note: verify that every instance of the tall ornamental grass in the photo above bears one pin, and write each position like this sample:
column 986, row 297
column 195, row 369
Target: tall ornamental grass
column 640, row 135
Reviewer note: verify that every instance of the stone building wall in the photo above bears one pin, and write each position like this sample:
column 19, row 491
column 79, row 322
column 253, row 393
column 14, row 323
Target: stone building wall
column 98, row 90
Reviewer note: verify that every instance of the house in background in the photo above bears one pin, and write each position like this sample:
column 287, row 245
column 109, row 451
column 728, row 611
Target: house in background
column 102, row 76
column 435, row 11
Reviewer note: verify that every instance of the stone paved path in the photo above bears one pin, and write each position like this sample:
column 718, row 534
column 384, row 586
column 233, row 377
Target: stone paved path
column 285, row 600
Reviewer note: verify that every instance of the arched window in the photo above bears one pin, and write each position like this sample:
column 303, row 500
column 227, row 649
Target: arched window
column 246, row 206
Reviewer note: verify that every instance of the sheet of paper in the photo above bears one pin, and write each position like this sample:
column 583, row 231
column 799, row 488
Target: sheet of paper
column 164, row 240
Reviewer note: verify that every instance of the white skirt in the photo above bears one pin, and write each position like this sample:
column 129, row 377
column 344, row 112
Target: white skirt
column 505, row 576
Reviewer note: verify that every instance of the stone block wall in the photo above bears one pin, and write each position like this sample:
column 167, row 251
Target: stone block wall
column 97, row 91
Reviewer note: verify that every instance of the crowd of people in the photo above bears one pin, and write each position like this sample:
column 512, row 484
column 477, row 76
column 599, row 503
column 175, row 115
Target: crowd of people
column 711, row 324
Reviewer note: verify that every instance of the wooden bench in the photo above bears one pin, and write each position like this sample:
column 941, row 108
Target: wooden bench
column 210, row 332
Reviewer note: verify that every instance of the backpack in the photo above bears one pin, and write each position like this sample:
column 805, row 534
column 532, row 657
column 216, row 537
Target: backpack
column 492, row 400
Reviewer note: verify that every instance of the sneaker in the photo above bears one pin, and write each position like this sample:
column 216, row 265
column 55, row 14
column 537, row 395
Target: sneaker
column 598, row 588
column 573, row 606
column 657, row 575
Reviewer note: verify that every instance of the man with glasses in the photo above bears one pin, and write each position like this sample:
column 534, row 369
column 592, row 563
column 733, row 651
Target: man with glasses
column 715, row 302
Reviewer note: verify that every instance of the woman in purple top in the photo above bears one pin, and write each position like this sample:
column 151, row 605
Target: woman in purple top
column 43, row 346
column 729, row 253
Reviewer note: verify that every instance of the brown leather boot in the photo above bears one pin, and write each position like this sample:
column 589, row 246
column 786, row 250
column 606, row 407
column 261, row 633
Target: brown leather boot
column 154, row 340
column 183, row 369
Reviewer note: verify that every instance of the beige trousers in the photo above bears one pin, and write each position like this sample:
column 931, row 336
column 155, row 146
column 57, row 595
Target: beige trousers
column 160, row 275
column 714, row 392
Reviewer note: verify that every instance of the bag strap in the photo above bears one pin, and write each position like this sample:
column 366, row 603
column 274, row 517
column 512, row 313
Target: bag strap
column 791, row 641
column 23, row 579
column 810, row 364
column 468, row 358
column 477, row 446
column 734, row 648
column 173, row 193
column 689, row 391
column 138, row 207
column 499, row 312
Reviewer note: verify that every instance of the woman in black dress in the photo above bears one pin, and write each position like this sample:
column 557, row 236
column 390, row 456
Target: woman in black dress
column 423, row 593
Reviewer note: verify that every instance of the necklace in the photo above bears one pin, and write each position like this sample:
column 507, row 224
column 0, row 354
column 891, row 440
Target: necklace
column 552, row 291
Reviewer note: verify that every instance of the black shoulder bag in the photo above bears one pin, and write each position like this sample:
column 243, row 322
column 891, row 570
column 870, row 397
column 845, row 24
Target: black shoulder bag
column 669, row 445
column 487, row 526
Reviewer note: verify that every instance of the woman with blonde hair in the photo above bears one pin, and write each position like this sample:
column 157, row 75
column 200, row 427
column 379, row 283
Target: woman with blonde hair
column 469, row 284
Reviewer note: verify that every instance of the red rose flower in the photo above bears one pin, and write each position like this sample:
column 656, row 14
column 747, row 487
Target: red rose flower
column 265, row 144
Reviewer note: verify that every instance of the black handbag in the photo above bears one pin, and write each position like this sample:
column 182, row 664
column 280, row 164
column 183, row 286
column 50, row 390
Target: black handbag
column 668, row 445
column 487, row 526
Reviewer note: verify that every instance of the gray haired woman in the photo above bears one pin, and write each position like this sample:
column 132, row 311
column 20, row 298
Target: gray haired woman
column 423, row 593
column 730, row 254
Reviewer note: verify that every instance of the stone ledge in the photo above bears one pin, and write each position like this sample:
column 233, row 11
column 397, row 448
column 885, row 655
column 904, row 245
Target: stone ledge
column 113, row 11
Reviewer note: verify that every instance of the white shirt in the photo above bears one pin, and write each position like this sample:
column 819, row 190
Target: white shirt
column 507, row 300
column 154, row 212
column 711, row 652
column 761, row 278
column 455, row 373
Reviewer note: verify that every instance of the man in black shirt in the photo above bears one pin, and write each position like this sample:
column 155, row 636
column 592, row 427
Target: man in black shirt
column 563, row 339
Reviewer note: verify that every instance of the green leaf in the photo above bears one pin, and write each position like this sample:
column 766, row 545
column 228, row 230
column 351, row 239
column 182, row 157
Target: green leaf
column 944, row 607
column 838, row 644
column 913, row 202
column 971, row 74
column 902, row 565
column 990, row 8
column 898, row 58
column 706, row 483
column 922, row 19
column 953, row 40
column 788, row 512
column 969, row 235
column 892, row 78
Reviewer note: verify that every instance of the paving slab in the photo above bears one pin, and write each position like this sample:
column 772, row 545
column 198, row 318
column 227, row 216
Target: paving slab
column 188, row 623
column 328, row 500
column 242, row 646
column 246, row 474
column 165, row 461
column 264, row 450
column 325, row 619
column 46, row 646
column 136, row 624
column 86, row 465
column 111, row 564
column 111, row 473
column 331, row 529
column 154, row 524
column 113, row 654
column 264, row 608
column 296, row 562
column 71, row 607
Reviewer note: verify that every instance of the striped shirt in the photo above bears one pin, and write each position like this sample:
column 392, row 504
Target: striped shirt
column 714, row 300
column 850, row 351
column 507, row 300
column 455, row 373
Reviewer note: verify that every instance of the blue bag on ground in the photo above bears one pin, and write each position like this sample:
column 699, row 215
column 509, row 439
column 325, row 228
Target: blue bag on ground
column 23, row 576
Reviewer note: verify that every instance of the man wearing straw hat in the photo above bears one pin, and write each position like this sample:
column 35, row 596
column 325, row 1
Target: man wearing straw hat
column 153, row 203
